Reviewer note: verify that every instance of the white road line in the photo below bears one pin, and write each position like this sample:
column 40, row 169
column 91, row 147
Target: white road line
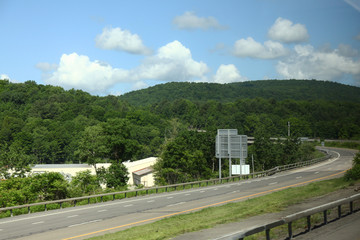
column 272, row 183
column 316, row 172
column 151, row 201
column 129, row 205
column 202, row 191
column 34, row 223
column 72, row 216
column 235, row 191
column 299, row 177
column 188, row 194
column 175, row 204
column 215, row 189
column 170, row 197
column 79, row 224
column 104, row 210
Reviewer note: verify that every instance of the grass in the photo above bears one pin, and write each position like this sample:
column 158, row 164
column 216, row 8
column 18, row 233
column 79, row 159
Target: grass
column 232, row 212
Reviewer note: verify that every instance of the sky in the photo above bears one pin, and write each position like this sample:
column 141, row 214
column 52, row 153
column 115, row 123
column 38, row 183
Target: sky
column 114, row 47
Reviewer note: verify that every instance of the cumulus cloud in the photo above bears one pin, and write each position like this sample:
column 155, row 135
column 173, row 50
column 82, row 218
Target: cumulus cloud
column 190, row 21
column 78, row 71
column 173, row 62
column 228, row 74
column 283, row 30
column 307, row 63
column 250, row 48
column 121, row 40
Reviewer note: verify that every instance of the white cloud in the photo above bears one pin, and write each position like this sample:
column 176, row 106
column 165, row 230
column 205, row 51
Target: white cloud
column 190, row 21
column 307, row 63
column 228, row 74
column 173, row 62
column 284, row 30
column 46, row 67
column 4, row 76
column 250, row 48
column 77, row 71
column 122, row 40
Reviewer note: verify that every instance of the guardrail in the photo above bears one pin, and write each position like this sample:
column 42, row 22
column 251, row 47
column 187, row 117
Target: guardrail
column 129, row 193
column 290, row 219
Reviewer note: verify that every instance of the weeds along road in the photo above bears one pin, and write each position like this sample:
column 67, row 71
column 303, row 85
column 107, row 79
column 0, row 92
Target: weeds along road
column 86, row 221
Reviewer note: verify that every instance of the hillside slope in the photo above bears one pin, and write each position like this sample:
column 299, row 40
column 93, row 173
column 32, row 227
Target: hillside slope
column 276, row 89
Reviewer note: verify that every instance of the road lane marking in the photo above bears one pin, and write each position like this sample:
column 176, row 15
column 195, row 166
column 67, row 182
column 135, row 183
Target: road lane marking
column 79, row 224
column 35, row 223
column 272, row 183
column 316, row 172
column 206, row 206
column 170, row 197
column 129, row 205
column 72, row 216
column 104, row 210
column 188, row 194
column 299, row 177
column 151, row 201
column 175, row 204
column 202, row 191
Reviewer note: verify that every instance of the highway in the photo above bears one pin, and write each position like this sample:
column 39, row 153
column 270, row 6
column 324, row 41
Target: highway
column 87, row 221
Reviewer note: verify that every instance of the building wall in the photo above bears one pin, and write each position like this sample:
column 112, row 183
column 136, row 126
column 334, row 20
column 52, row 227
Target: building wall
column 70, row 170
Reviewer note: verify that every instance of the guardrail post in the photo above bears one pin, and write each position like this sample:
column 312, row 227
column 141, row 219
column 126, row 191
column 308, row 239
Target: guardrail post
column 351, row 207
column 267, row 232
column 61, row 205
column 290, row 230
column 11, row 213
column 308, row 223
column 45, row 208
column 339, row 211
column 88, row 200
column 75, row 203
column 101, row 198
column 29, row 210
column 113, row 197
column 325, row 217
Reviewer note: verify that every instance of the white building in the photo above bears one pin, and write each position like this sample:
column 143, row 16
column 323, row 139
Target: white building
column 140, row 172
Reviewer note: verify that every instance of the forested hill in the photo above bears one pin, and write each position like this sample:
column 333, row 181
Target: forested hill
column 267, row 89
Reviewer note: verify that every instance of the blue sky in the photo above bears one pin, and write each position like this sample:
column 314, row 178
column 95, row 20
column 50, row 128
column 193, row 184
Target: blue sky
column 113, row 47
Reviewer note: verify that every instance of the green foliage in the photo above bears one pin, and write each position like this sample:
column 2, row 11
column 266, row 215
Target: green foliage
column 116, row 176
column 275, row 90
column 84, row 183
column 188, row 157
column 354, row 172
column 17, row 191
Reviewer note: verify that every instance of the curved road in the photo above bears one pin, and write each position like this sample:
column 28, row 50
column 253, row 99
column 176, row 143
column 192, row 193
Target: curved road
column 86, row 221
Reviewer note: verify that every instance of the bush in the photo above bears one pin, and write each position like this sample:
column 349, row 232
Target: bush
column 354, row 172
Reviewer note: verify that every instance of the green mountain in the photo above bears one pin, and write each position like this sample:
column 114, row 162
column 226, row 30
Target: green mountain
column 267, row 89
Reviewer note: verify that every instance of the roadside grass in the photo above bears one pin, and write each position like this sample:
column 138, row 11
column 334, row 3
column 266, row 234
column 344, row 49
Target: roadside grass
column 232, row 212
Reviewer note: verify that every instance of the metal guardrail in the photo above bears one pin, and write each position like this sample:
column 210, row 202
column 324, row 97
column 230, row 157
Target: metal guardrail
column 299, row 215
column 167, row 188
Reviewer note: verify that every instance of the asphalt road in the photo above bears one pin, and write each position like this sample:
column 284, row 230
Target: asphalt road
column 97, row 219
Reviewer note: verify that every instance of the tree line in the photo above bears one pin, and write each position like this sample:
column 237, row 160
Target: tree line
column 46, row 124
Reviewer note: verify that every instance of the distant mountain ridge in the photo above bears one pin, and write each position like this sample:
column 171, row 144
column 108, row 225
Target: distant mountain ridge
column 276, row 89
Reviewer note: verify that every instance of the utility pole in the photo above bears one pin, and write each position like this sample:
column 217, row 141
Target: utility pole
column 288, row 129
